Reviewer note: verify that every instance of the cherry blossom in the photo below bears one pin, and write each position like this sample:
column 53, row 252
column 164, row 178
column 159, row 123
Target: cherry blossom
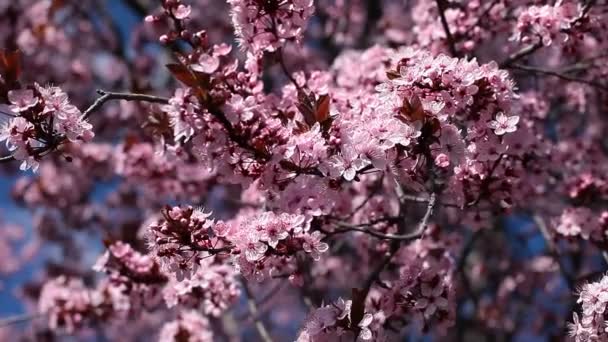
column 358, row 170
column 504, row 124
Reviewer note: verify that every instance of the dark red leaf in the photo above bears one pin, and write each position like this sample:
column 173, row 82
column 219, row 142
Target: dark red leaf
column 322, row 108
column 183, row 74
column 10, row 65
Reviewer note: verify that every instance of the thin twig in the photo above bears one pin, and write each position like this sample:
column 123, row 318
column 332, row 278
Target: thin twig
column 108, row 96
column 557, row 74
column 400, row 237
column 271, row 294
column 253, row 309
column 19, row 319
column 446, row 28
column 105, row 97
column 553, row 251
column 516, row 56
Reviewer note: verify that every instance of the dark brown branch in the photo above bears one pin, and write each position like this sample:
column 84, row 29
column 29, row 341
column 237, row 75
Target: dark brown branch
column 108, row 96
column 485, row 185
column 375, row 275
column 450, row 39
column 399, row 237
column 560, row 75
column 518, row 55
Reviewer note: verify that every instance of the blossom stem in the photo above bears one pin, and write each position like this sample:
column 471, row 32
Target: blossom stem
column 108, row 96
column 253, row 310
column 552, row 248
column 446, row 28
column 516, row 56
column 559, row 75
column 399, row 237
column 19, row 319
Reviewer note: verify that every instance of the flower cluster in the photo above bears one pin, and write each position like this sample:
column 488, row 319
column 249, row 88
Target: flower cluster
column 336, row 322
column 213, row 288
column 70, row 305
column 181, row 239
column 41, row 118
column 378, row 156
column 591, row 326
column 547, row 23
column 579, row 222
column 460, row 108
column 165, row 174
column 67, row 302
column 131, row 275
column 268, row 243
column 189, row 326
column 265, row 25
column 424, row 292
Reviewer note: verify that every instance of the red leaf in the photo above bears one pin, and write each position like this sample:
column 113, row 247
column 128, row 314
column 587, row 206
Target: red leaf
column 10, row 65
column 183, row 74
column 322, row 110
column 412, row 109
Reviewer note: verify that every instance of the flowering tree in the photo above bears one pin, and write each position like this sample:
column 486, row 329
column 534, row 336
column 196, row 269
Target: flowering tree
column 299, row 170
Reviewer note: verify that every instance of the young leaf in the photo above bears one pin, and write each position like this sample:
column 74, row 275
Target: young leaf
column 412, row 110
column 322, row 108
column 183, row 74
column 10, row 65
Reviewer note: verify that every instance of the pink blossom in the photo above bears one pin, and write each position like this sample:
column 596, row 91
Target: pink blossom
column 504, row 124
column 188, row 323
column 314, row 246
column 22, row 100
column 19, row 136
column 182, row 11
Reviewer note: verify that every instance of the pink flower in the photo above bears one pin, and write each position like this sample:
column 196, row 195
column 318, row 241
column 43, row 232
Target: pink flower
column 432, row 299
column 261, row 28
column 19, row 135
column 347, row 164
column 22, row 100
column 180, row 240
column 67, row 119
column 452, row 144
column 67, row 303
column 314, row 246
column 188, row 323
column 366, row 333
column 206, row 64
column 504, row 124
column 255, row 250
column 184, row 114
column 182, row 11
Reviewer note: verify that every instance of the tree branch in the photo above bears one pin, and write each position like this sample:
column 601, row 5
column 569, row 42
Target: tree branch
column 108, row 96
column 516, row 56
column 105, row 97
column 253, row 309
column 560, row 75
column 19, row 319
column 399, row 237
column 553, row 252
column 446, row 28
